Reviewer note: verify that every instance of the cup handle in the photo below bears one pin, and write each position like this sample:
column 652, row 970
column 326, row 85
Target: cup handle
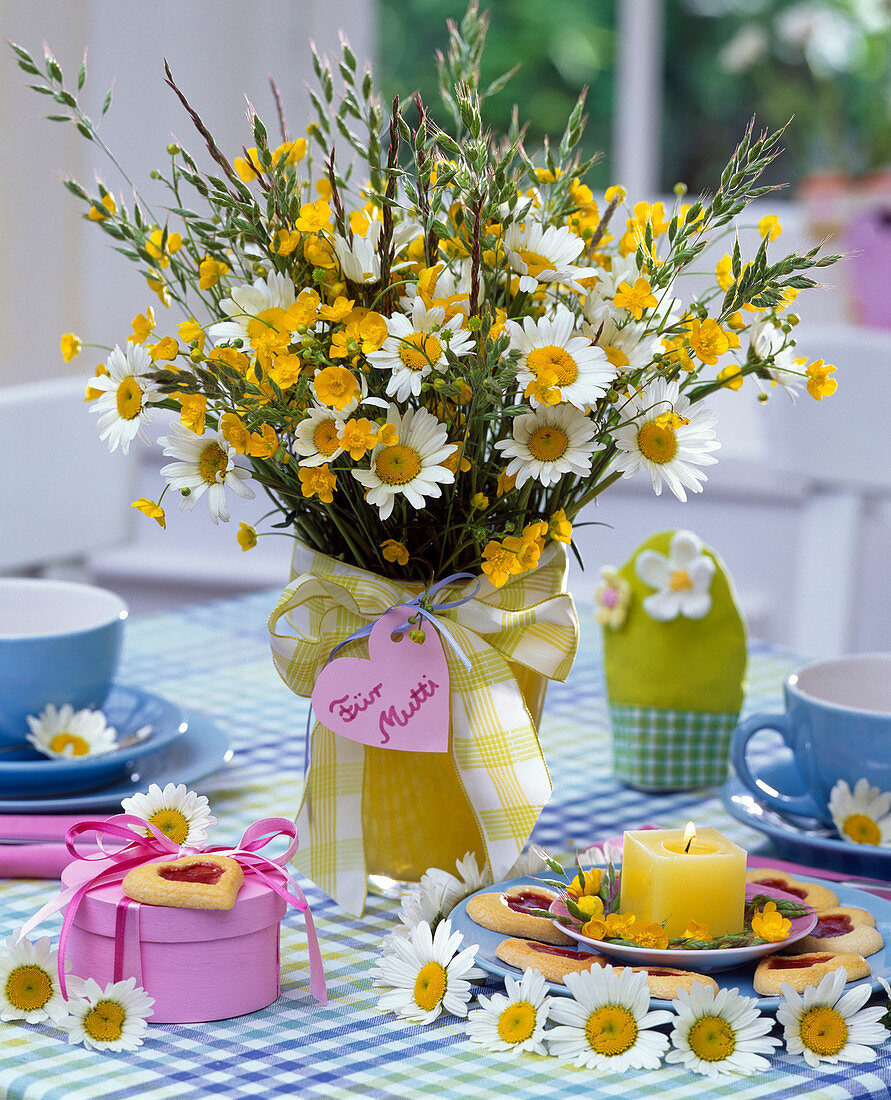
column 744, row 732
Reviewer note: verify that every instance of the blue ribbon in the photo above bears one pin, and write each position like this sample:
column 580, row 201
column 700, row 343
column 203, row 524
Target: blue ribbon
column 429, row 613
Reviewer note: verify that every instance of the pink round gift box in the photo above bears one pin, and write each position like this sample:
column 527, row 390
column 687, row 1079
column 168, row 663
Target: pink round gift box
column 198, row 964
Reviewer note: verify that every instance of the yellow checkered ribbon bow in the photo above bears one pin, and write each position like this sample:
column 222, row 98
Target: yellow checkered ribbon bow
column 530, row 621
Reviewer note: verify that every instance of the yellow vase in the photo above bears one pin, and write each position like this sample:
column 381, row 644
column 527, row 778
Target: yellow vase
column 415, row 809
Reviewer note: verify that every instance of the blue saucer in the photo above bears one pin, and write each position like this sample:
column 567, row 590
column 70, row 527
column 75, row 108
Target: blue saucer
column 127, row 709
column 791, row 841
column 200, row 751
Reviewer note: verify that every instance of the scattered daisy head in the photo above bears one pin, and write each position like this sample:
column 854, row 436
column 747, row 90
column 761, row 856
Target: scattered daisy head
column 683, row 579
column 123, row 396
column 66, row 732
column 29, row 982
column 551, row 352
column 825, row 1024
column 413, row 467
column 449, row 888
column 548, row 443
column 720, row 1032
column 416, row 346
column 178, row 813
column 317, row 438
column 666, row 436
column 252, row 305
column 861, row 815
column 113, row 1018
column 606, row 1024
column 612, row 597
column 425, row 974
column 545, row 254
column 204, row 464
column 515, row 1020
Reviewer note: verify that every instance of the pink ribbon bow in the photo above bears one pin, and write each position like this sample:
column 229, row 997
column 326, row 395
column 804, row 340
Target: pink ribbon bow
column 139, row 849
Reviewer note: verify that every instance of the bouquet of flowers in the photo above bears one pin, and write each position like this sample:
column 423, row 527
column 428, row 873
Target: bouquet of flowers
column 433, row 353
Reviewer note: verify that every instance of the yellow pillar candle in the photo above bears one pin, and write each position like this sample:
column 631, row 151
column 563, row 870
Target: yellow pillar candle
column 668, row 880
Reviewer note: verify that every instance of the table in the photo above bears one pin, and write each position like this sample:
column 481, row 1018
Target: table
column 215, row 658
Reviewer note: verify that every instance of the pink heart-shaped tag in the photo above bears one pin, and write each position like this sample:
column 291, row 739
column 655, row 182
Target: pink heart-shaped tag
column 397, row 699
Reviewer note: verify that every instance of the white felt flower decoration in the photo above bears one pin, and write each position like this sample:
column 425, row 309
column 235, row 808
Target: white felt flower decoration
column 683, row 579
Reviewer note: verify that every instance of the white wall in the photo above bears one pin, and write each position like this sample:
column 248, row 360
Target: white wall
column 58, row 273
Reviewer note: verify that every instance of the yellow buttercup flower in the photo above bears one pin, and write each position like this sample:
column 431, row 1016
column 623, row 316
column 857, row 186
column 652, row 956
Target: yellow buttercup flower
column 143, row 325
column 295, row 150
column 395, row 551
column 647, row 934
column 769, row 227
column 614, row 926
column 708, row 340
column 318, row 481
column 193, row 409
column 696, row 930
column 819, row 384
column 500, row 561
column 166, row 349
column 590, row 906
column 731, row 376
column 91, row 393
column 190, row 332
column 263, row 444
column 151, row 509
column 285, row 241
column 314, row 216
column 247, row 169
column 106, row 206
column 336, row 387
column 615, row 192
column 337, row 311
column 161, row 255
column 560, row 528
column 209, row 272
column 724, row 272
column 70, row 345
column 247, row 536
column 637, row 298
column 505, row 483
column 770, row 924
column 585, row 883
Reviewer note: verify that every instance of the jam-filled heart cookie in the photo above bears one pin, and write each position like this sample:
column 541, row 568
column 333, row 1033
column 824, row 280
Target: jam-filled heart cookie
column 193, row 882
column 844, row 929
column 552, row 962
column 800, row 971
column 665, row 982
column 811, row 893
column 510, row 912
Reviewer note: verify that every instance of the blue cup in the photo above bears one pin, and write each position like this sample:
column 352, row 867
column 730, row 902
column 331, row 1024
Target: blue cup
column 837, row 724
column 60, row 643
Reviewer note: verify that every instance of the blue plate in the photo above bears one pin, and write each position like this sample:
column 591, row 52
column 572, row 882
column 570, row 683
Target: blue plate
column 793, row 842
column 487, row 941
column 199, row 751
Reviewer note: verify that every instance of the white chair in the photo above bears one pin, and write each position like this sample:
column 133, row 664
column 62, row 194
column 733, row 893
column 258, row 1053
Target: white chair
column 840, row 448
column 62, row 494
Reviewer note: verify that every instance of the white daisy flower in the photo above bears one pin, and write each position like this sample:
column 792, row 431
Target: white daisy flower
column 29, row 982
column 66, row 732
column 627, row 346
column 416, row 346
column 451, row 888
column 861, row 815
column 359, row 260
column 127, row 391
column 412, row 467
column 825, row 1024
column 180, row 814
column 583, row 372
column 720, row 1032
column 317, row 438
column 606, row 1024
column 113, row 1018
column 450, row 292
column 545, row 254
column 426, row 974
column 666, row 436
column 683, row 579
column 250, row 303
column 548, row 443
column 514, row 1020
column 204, row 464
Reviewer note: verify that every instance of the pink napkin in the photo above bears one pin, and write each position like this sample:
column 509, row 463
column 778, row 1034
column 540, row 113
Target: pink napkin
column 34, row 827
column 36, row 860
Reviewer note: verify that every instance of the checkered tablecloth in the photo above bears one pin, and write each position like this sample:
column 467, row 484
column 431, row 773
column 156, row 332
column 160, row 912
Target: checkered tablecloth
column 215, row 658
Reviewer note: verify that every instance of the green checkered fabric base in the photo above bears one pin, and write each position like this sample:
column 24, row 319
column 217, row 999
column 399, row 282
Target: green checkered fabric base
column 657, row 749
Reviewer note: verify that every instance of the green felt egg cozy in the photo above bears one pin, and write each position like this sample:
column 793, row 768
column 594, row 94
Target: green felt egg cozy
column 675, row 682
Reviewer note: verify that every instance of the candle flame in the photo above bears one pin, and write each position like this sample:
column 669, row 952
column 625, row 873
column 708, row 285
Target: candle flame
column 689, row 835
